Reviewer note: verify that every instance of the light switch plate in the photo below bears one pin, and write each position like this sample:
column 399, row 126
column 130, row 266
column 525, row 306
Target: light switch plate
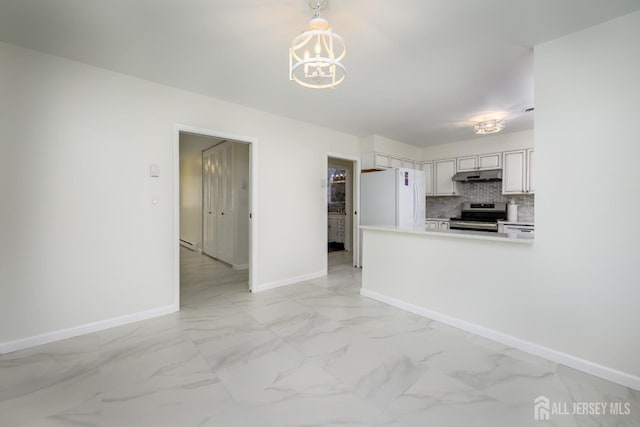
column 154, row 171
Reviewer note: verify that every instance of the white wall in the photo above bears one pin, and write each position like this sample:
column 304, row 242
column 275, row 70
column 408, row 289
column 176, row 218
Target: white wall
column 80, row 240
column 576, row 289
column 191, row 148
column 480, row 144
column 587, row 149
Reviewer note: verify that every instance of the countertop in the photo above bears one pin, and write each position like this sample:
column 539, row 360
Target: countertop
column 437, row 219
column 457, row 234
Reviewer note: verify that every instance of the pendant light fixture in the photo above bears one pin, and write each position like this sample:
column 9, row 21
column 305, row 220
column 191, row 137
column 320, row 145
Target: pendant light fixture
column 488, row 126
column 315, row 55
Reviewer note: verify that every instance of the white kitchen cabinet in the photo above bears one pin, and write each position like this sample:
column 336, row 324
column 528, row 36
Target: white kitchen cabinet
column 376, row 160
column 490, row 161
column 409, row 164
column 443, row 183
column 468, row 163
column 427, row 168
column 480, row 162
column 431, row 225
column 517, row 174
column 373, row 160
column 436, row 225
column 336, row 228
column 396, row 162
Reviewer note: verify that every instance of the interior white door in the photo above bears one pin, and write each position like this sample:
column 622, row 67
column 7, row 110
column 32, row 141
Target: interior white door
column 209, row 169
column 225, row 203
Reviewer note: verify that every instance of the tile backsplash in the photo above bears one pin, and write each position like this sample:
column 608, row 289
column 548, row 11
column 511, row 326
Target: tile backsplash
column 479, row 192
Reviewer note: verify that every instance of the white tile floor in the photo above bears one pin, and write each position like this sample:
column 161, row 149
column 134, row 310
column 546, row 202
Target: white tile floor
column 312, row 354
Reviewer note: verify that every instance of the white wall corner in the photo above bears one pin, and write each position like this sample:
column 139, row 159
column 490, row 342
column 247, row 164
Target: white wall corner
column 288, row 281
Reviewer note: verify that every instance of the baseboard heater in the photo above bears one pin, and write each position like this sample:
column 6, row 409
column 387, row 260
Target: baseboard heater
column 189, row 245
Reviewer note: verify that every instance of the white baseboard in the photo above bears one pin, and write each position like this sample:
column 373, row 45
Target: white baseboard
column 288, row 281
column 240, row 266
column 35, row 340
column 189, row 245
column 619, row 377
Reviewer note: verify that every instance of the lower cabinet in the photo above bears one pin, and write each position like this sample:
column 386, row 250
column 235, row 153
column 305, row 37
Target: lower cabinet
column 336, row 229
column 437, row 224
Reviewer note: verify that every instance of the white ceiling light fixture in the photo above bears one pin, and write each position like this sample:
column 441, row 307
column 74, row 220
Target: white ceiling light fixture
column 488, row 126
column 315, row 55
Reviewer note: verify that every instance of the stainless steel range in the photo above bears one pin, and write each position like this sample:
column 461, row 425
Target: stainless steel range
column 479, row 217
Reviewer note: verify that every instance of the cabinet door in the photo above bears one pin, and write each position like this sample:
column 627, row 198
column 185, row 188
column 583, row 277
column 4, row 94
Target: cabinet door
column 341, row 229
column 467, row 163
column 514, row 172
column 409, row 164
column 444, row 225
column 431, row 225
column 530, row 162
column 444, row 171
column 396, row 162
column 489, row 161
column 382, row 160
column 427, row 168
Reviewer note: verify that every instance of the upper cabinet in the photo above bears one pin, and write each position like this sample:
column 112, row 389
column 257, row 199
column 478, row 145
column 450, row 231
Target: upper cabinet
column 490, row 161
column 396, row 162
column 443, row 174
column 468, row 163
column 376, row 160
column 427, row 168
column 517, row 170
column 409, row 164
column 517, row 174
column 480, row 162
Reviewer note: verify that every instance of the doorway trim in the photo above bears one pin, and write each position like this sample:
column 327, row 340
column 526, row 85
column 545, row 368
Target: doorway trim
column 355, row 243
column 253, row 201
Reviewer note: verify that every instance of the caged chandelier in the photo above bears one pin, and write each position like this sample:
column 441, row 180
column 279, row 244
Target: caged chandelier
column 315, row 55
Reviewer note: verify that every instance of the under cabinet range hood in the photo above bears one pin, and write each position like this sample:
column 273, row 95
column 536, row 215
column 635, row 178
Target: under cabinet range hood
column 479, row 176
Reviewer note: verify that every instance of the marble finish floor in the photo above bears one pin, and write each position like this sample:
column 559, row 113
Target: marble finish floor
column 311, row 354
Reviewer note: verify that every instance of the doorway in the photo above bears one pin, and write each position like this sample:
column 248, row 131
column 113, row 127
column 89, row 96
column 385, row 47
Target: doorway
column 214, row 202
column 342, row 208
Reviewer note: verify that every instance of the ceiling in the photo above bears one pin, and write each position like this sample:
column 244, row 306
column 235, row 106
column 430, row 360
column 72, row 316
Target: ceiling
column 418, row 71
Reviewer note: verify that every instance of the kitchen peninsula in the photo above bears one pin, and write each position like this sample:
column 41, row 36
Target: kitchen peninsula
column 450, row 276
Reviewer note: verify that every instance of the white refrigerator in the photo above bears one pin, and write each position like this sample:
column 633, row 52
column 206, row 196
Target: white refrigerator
column 394, row 197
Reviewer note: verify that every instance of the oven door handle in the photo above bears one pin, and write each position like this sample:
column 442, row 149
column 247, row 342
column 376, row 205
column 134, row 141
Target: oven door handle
column 473, row 224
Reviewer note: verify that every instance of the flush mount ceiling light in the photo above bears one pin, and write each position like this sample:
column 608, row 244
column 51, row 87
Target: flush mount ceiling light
column 315, row 55
column 488, row 126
